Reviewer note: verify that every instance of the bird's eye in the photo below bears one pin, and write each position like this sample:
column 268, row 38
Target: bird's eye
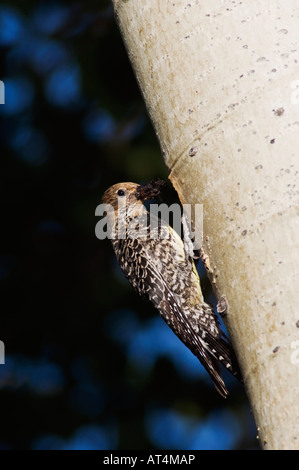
column 120, row 192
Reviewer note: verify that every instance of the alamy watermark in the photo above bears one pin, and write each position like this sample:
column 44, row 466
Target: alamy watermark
column 2, row 353
column 2, row 92
column 151, row 225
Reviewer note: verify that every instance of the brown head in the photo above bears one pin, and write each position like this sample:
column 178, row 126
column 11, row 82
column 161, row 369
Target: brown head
column 122, row 194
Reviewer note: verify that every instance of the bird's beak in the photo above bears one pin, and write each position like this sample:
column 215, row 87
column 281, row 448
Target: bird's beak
column 151, row 190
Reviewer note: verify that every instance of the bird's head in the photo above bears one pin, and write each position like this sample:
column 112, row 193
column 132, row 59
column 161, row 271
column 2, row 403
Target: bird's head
column 120, row 195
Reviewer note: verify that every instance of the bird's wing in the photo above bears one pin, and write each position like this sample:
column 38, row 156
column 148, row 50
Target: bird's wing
column 149, row 282
column 177, row 320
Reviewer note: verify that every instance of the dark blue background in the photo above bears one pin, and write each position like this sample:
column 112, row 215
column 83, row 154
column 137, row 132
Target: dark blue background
column 89, row 365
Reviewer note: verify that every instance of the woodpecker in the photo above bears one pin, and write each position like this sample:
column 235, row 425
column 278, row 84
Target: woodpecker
column 155, row 261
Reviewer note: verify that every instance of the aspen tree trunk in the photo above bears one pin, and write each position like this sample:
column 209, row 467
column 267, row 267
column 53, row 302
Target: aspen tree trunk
column 221, row 84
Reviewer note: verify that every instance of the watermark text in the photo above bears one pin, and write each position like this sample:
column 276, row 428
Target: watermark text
column 2, row 353
column 152, row 224
column 2, row 92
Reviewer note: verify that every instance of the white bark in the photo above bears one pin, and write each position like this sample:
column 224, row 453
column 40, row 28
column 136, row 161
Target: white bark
column 221, row 83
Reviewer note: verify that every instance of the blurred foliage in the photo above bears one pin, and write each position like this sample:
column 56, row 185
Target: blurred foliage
column 89, row 365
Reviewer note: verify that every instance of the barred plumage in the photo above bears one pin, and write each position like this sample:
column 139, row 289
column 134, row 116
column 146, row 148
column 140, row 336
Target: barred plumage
column 156, row 264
